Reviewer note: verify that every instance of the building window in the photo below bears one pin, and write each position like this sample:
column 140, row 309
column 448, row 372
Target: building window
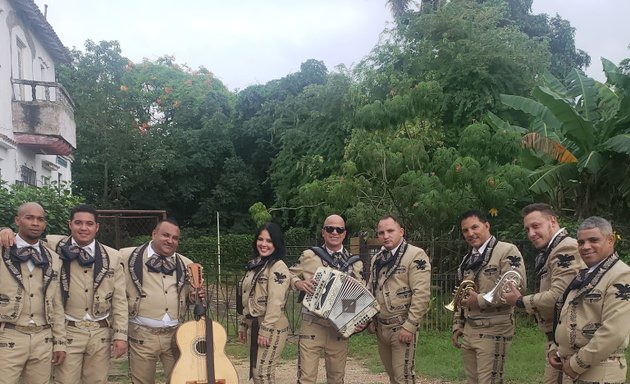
column 28, row 176
column 61, row 161
column 21, row 47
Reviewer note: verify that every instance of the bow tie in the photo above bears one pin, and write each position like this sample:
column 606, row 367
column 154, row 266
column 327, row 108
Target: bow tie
column 72, row 252
column 338, row 258
column 161, row 264
column 475, row 259
column 25, row 254
column 580, row 280
column 385, row 258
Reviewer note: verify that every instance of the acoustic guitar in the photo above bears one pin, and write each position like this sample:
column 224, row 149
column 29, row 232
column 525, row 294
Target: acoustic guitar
column 202, row 362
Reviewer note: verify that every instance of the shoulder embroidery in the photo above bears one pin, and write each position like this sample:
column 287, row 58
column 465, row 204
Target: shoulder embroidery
column 623, row 291
column 280, row 277
column 564, row 261
column 515, row 261
column 421, row 264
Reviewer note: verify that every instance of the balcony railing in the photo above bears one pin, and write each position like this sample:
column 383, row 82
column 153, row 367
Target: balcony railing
column 43, row 117
column 33, row 90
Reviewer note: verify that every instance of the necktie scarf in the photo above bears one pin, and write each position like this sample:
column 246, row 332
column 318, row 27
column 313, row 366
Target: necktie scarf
column 161, row 264
column 25, row 254
column 74, row 252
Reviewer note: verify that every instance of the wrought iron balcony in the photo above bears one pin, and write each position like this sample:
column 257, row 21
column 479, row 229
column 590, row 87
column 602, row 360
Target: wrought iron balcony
column 43, row 117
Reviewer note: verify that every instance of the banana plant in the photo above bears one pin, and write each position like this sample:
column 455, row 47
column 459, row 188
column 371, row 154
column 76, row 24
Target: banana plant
column 579, row 131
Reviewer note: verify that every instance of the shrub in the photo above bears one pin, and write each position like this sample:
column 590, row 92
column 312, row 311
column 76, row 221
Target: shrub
column 56, row 199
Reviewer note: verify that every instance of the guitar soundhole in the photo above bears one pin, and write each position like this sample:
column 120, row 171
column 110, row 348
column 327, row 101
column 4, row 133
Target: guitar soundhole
column 199, row 347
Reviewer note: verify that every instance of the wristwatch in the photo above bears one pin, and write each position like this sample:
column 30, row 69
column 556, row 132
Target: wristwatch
column 519, row 302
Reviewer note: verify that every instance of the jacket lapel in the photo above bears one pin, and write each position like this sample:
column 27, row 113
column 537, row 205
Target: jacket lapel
column 13, row 268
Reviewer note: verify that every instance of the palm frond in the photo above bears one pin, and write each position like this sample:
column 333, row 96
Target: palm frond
column 619, row 143
column 574, row 126
column 592, row 162
column 583, row 89
column 533, row 108
column 546, row 179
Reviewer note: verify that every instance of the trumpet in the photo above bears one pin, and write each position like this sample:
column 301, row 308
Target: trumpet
column 460, row 293
column 494, row 296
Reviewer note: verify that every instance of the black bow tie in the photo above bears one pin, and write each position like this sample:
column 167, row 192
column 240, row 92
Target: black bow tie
column 386, row 258
column 72, row 252
column 256, row 263
column 580, row 280
column 161, row 264
column 475, row 259
column 338, row 258
column 25, row 254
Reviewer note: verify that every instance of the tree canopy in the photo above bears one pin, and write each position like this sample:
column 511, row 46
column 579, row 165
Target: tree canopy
column 423, row 127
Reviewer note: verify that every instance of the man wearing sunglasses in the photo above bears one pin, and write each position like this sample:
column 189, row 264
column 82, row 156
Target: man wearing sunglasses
column 317, row 334
column 94, row 299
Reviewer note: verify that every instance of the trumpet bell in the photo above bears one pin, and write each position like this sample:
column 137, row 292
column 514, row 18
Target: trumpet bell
column 460, row 293
column 511, row 276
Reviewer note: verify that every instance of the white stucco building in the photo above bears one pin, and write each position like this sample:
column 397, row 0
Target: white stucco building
column 37, row 127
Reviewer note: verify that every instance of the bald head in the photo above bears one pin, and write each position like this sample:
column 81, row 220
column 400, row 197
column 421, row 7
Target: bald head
column 29, row 206
column 31, row 222
column 334, row 219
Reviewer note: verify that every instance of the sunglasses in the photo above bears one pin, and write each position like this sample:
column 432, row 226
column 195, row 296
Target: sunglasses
column 339, row 230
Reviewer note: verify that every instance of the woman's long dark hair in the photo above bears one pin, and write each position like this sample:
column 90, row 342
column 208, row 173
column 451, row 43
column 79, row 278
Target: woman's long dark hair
column 277, row 238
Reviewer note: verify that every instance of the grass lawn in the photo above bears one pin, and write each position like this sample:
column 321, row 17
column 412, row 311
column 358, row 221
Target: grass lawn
column 437, row 358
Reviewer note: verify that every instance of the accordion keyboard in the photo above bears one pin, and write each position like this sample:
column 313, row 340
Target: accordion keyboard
column 341, row 299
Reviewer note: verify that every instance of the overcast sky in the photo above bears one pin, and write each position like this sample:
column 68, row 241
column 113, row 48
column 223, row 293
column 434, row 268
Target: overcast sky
column 246, row 42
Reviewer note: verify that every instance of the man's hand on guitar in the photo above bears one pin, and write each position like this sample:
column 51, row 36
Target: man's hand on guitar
column 263, row 341
column 307, row 286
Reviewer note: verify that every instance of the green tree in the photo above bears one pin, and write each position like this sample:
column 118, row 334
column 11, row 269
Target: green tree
column 464, row 47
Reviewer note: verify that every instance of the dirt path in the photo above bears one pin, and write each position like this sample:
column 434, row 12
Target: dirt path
column 356, row 373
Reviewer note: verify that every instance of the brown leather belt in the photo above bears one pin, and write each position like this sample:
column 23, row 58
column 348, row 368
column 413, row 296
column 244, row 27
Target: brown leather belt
column 88, row 325
column 28, row 329
column 159, row 331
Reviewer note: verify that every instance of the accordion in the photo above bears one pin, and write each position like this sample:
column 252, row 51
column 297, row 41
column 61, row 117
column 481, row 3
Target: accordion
column 341, row 299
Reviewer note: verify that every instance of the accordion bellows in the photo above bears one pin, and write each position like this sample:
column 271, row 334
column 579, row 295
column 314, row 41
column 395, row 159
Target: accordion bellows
column 341, row 299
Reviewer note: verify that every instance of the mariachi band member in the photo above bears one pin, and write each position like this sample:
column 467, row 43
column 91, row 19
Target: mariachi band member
column 319, row 335
column 592, row 324
column 32, row 332
column 400, row 280
column 158, row 293
column 557, row 264
column 262, row 297
column 486, row 328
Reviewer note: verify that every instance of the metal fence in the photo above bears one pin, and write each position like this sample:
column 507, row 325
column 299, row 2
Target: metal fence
column 119, row 228
column 445, row 255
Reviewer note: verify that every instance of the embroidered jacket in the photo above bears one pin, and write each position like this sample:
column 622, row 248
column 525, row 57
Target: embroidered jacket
column 104, row 282
column 403, row 287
